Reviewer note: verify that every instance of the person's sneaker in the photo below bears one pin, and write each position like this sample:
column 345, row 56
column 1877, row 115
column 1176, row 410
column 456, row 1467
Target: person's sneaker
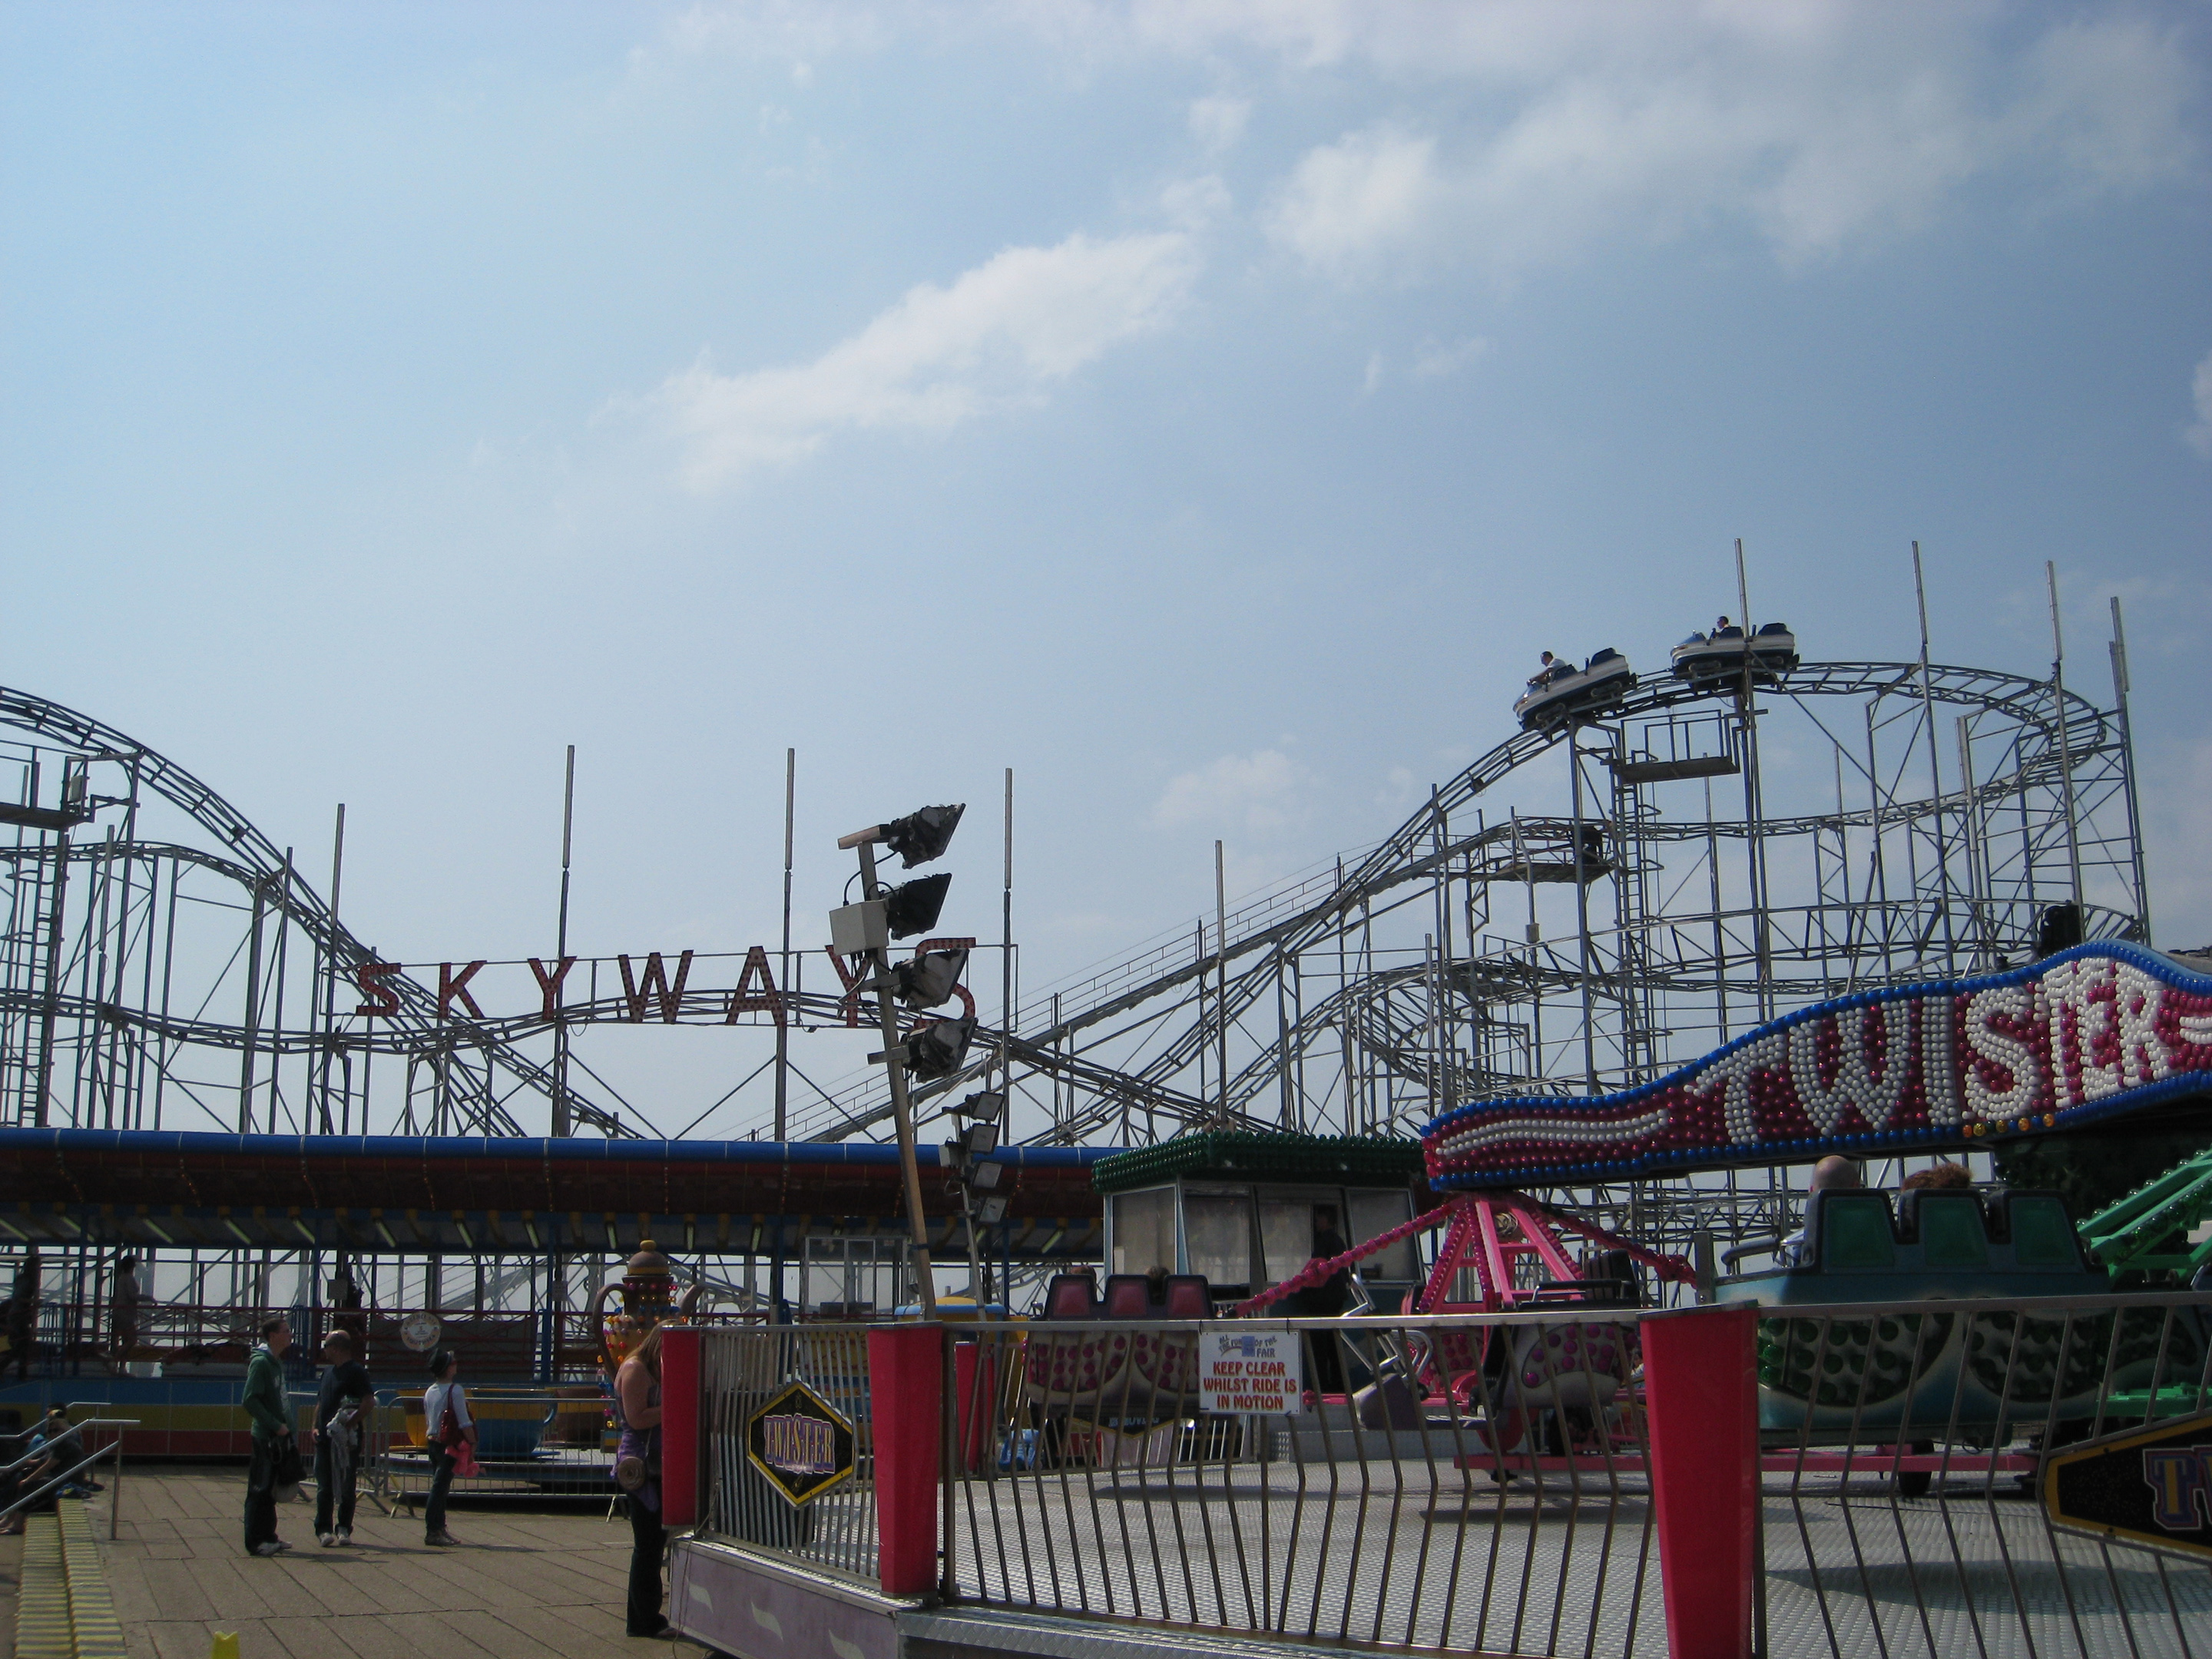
column 329, row 1540
column 344, row 1537
column 271, row 1547
column 443, row 1540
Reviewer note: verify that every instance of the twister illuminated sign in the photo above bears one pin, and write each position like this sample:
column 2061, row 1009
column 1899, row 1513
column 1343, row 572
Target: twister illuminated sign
column 2099, row 1029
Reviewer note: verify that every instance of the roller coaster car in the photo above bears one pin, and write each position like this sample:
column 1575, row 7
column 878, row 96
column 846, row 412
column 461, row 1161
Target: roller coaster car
column 1993, row 1374
column 1714, row 660
column 1563, row 691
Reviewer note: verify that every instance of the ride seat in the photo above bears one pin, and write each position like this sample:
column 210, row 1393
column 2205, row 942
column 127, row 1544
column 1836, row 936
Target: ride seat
column 1950, row 1227
column 2040, row 1231
column 1850, row 1231
column 1072, row 1295
column 1128, row 1296
column 1189, row 1297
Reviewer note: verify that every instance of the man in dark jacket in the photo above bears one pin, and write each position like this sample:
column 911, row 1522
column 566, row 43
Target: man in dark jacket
column 341, row 1409
column 265, row 1403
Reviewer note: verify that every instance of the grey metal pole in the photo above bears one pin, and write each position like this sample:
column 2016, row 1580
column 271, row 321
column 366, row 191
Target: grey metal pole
column 2119, row 649
column 1581, row 905
column 2065, row 740
column 331, row 966
column 902, row 1105
column 1935, row 769
column 782, row 1032
column 561, row 1124
column 1755, row 839
column 1006, row 955
column 252, row 1013
column 1221, row 983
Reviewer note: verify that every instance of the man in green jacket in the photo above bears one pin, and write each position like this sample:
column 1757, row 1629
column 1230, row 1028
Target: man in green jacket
column 265, row 1404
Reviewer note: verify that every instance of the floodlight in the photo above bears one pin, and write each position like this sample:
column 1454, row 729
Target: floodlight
column 912, row 907
column 983, row 1106
column 930, row 979
column 920, row 836
column 985, row 1176
column 937, row 1050
column 982, row 1139
column 992, row 1211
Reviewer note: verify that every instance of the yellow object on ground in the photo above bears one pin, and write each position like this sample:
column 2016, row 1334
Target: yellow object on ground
column 63, row 1610
column 226, row 1645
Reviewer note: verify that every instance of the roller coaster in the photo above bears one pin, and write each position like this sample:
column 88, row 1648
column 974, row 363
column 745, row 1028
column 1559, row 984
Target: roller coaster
column 1589, row 904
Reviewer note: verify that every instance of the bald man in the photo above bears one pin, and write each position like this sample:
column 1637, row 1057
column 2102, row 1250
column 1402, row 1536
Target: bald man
column 1831, row 1175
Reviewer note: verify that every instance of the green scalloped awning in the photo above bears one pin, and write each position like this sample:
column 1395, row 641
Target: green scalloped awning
column 1346, row 1160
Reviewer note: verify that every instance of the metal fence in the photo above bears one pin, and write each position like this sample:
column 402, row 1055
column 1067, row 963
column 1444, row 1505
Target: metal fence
column 742, row 1371
column 1457, row 1484
column 531, row 1443
column 1905, row 1444
column 1460, row 1482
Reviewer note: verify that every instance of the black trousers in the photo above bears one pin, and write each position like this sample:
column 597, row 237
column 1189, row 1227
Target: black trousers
column 647, row 1539
column 331, row 1492
column 441, row 1482
column 261, row 1493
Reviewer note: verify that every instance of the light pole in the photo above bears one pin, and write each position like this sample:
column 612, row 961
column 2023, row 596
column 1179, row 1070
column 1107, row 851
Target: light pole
column 867, row 929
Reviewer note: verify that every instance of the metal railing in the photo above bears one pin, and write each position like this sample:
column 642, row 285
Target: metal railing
column 531, row 1443
column 1485, row 1482
column 1905, row 1446
column 1452, row 1483
column 52, row 1484
column 742, row 1371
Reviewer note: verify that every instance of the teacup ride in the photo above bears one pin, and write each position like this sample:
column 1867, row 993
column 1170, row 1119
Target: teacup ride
column 647, row 1289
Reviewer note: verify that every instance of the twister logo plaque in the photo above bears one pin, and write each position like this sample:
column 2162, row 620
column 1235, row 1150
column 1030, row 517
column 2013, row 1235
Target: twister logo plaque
column 2148, row 1486
column 801, row 1444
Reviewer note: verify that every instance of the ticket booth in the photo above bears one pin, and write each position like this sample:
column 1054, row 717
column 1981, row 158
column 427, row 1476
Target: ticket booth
column 1246, row 1212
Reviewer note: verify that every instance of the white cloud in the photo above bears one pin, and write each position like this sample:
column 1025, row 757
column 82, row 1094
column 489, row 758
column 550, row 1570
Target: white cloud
column 1194, row 203
column 1436, row 358
column 1260, row 793
column 1823, row 127
column 1373, row 378
column 2200, row 434
column 998, row 337
column 1217, row 122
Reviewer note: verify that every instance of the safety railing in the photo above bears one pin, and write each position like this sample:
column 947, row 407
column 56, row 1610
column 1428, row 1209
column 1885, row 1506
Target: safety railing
column 1445, row 1484
column 531, row 1443
column 48, row 1483
column 744, row 1373
column 1981, row 1476
column 1959, row 1477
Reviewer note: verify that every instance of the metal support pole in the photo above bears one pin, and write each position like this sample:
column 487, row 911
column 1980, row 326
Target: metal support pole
column 782, row 1033
column 901, row 1104
column 1935, row 771
column 2065, row 741
column 1581, row 905
column 562, row 1117
column 331, row 968
column 2119, row 649
column 1221, row 983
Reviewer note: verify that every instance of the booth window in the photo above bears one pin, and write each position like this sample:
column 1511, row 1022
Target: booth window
column 1217, row 1230
column 1143, row 1230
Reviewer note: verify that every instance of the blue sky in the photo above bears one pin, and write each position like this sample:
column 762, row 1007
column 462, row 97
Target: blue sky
column 1206, row 410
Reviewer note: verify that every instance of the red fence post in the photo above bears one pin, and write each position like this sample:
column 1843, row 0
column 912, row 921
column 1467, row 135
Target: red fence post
column 1701, row 1394
column 680, row 1424
column 905, row 1402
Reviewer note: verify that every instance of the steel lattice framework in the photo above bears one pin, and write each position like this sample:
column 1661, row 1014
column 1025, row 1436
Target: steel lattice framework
column 1720, row 860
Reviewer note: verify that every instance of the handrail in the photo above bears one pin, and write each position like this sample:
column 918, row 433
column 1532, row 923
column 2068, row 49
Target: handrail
column 112, row 1449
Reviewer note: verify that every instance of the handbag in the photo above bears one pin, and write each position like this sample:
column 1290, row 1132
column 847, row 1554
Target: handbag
column 289, row 1471
column 455, row 1443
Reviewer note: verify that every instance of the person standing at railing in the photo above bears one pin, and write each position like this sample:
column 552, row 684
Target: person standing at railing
column 637, row 1472
column 449, row 1430
column 270, row 1412
column 342, row 1408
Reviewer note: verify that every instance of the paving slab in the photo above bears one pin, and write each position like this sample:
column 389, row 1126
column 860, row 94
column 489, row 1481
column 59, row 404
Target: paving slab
column 522, row 1583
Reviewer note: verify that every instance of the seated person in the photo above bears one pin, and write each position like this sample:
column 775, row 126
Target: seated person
column 1831, row 1175
column 1940, row 1178
column 1550, row 666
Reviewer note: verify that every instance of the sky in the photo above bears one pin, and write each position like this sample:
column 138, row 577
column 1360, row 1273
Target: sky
column 1206, row 410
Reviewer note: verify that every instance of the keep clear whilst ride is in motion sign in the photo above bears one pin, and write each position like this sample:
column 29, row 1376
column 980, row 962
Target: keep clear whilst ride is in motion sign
column 1247, row 1368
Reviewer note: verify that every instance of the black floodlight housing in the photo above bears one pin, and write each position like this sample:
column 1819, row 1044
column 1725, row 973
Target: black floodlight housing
column 984, row 1106
column 982, row 1139
column 930, row 979
column 938, row 1050
column 913, row 907
column 920, row 836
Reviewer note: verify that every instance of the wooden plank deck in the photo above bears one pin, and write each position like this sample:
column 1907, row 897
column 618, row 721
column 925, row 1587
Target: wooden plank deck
column 523, row 1583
